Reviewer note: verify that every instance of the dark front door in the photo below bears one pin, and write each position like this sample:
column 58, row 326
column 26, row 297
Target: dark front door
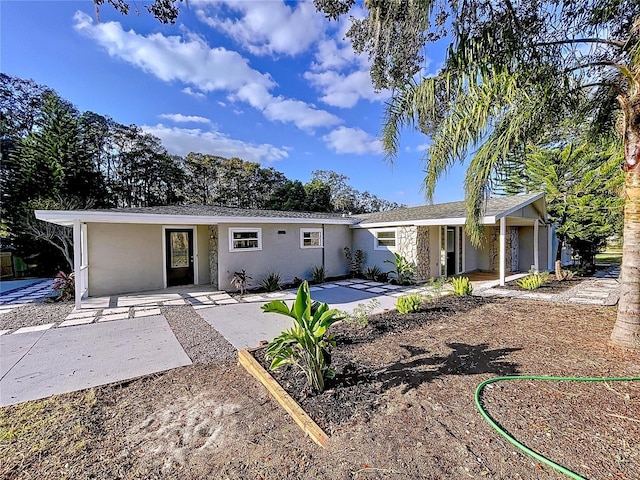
column 451, row 251
column 179, row 244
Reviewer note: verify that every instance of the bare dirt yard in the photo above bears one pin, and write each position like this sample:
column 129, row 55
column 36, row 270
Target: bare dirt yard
column 401, row 407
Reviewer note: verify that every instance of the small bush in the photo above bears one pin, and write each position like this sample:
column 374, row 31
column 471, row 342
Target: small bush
column 373, row 273
column 403, row 269
column 409, row 303
column 360, row 314
column 355, row 260
column 534, row 281
column 436, row 285
column 65, row 285
column 271, row 282
column 239, row 280
column 307, row 343
column 318, row 274
column 461, row 286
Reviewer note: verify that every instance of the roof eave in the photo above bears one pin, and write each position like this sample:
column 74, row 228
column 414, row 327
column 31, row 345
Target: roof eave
column 427, row 222
column 67, row 217
column 530, row 201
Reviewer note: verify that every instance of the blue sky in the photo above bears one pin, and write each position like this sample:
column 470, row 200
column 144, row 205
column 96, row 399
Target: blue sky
column 265, row 81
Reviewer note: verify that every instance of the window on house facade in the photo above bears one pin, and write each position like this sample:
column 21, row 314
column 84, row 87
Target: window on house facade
column 385, row 240
column 245, row 239
column 311, row 238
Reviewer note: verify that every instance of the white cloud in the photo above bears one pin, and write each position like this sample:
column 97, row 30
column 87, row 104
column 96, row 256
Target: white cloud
column 222, row 104
column 193, row 93
column 181, row 141
column 192, row 61
column 266, row 27
column 341, row 76
column 345, row 90
column 180, row 118
column 331, row 55
column 352, row 140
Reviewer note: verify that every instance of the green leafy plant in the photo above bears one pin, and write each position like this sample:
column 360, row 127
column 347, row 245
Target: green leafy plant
column 374, row 273
column 271, row 282
column 306, row 344
column 409, row 303
column 436, row 285
column 355, row 261
column 239, row 281
column 318, row 274
column 360, row 314
column 461, row 286
column 403, row 269
column 65, row 285
column 533, row 281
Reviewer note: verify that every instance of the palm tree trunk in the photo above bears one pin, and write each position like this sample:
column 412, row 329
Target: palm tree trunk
column 626, row 331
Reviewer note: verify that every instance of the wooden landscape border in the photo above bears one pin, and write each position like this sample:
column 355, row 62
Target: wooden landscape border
column 305, row 422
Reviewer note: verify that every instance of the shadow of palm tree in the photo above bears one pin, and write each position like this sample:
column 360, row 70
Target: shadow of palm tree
column 463, row 359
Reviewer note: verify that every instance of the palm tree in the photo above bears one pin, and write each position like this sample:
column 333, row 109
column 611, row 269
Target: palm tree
column 514, row 72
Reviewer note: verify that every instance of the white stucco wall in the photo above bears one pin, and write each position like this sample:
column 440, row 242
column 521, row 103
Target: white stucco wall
column 363, row 239
column 281, row 253
column 124, row 258
column 202, row 254
column 471, row 255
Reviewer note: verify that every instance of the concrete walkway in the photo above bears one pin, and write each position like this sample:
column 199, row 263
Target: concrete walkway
column 41, row 363
column 245, row 325
column 603, row 289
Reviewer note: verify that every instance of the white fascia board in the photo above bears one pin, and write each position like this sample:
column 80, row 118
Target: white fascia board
column 508, row 212
column 427, row 222
column 65, row 217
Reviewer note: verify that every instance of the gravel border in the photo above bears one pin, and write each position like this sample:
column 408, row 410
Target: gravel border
column 201, row 341
column 36, row 313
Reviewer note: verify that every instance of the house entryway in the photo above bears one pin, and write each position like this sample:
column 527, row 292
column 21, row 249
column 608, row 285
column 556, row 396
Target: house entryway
column 452, row 251
column 179, row 256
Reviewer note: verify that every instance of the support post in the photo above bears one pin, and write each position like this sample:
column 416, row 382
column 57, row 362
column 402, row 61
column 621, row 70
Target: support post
column 536, row 248
column 503, row 249
column 77, row 262
column 550, row 262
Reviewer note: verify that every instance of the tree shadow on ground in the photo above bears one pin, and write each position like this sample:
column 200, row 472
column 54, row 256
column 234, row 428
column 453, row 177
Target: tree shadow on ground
column 464, row 359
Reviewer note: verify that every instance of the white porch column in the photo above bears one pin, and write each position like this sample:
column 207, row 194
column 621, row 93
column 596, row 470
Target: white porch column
column 503, row 249
column 550, row 262
column 536, row 247
column 77, row 262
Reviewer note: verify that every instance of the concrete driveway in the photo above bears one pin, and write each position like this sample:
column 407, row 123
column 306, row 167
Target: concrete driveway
column 39, row 364
column 245, row 325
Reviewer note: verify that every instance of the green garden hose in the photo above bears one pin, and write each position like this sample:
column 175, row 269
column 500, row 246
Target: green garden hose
column 515, row 442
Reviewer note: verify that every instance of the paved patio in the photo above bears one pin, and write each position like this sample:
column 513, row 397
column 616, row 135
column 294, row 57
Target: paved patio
column 17, row 292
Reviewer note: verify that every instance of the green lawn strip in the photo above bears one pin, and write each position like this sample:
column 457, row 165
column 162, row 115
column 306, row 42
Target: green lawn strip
column 609, row 257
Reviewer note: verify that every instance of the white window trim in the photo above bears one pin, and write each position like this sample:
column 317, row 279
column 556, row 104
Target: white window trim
column 311, row 230
column 375, row 239
column 245, row 230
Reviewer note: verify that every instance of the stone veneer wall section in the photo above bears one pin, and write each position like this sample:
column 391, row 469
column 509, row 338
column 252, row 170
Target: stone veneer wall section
column 213, row 255
column 406, row 242
column 423, row 263
column 511, row 248
column 515, row 248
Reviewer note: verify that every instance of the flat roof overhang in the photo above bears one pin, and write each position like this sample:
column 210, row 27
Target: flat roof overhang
column 68, row 217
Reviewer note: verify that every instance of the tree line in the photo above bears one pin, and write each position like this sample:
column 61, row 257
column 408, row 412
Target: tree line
column 57, row 157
